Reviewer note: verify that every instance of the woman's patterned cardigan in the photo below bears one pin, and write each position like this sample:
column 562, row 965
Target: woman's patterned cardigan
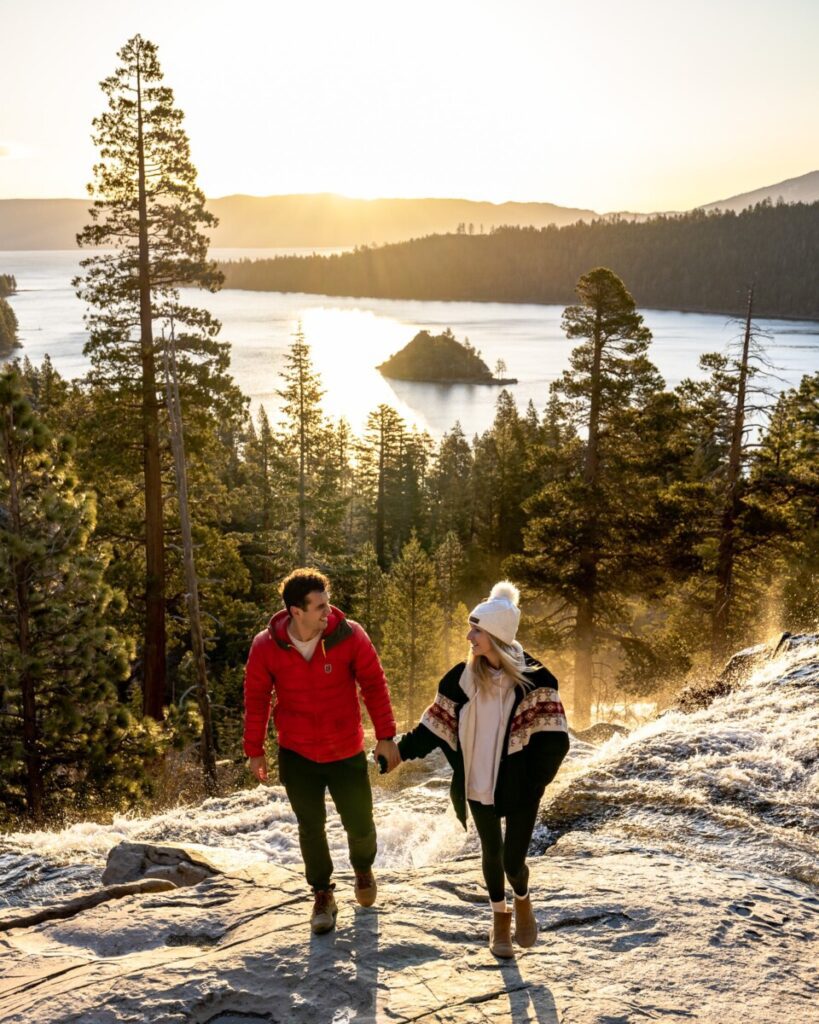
column 535, row 744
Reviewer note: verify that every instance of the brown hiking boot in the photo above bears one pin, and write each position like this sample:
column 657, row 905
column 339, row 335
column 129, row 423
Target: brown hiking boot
column 500, row 938
column 525, row 923
column 323, row 918
column 365, row 888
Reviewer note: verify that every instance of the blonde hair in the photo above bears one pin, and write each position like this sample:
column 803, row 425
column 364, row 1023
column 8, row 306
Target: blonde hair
column 511, row 661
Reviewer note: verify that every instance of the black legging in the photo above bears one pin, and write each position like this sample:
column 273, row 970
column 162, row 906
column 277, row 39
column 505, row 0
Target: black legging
column 504, row 855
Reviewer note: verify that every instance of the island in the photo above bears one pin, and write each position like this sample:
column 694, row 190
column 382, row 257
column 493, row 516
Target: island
column 442, row 359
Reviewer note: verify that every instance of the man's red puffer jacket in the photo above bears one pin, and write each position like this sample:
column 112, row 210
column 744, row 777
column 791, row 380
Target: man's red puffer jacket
column 315, row 704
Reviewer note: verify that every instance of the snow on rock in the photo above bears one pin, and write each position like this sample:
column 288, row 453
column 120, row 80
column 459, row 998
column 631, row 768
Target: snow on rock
column 625, row 936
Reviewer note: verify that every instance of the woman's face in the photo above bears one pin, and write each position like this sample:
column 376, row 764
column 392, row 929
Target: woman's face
column 479, row 642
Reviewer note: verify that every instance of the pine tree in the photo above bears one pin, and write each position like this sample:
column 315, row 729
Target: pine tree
column 8, row 329
column 732, row 534
column 62, row 733
column 449, row 567
column 303, row 435
column 450, row 487
column 261, row 514
column 410, row 647
column 369, row 598
column 501, row 483
column 46, row 390
column 339, row 487
column 333, row 512
column 785, row 481
column 149, row 216
column 379, row 470
column 587, row 544
column 731, row 509
column 409, row 505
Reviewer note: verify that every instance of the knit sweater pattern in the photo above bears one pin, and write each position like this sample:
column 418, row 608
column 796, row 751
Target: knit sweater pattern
column 535, row 741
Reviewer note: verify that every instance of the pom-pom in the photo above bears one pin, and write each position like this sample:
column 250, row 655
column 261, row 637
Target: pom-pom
column 505, row 591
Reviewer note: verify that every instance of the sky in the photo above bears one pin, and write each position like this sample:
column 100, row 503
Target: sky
column 640, row 105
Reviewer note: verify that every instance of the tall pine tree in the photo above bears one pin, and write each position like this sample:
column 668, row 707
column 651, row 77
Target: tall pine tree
column 379, row 472
column 148, row 216
column 303, row 437
column 410, row 646
column 587, row 544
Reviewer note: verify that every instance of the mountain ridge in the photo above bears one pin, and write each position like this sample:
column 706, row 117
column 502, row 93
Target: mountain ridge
column 327, row 220
column 802, row 189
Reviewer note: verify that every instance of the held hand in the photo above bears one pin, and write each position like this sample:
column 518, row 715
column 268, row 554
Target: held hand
column 258, row 767
column 388, row 749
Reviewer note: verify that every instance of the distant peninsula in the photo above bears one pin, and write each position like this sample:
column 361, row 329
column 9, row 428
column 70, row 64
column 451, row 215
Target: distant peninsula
column 440, row 359
column 698, row 262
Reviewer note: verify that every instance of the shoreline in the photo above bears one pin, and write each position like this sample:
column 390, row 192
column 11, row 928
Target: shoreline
column 498, row 382
column 788, row 317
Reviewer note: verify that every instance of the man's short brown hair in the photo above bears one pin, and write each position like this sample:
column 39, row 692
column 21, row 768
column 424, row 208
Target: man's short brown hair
column 296, row 587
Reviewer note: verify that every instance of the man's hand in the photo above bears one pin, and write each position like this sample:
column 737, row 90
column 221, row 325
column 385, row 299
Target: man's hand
column 258, row 767
column 388, row 749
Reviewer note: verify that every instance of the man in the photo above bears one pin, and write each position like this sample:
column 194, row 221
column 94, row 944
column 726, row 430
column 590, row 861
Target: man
column 311, row 657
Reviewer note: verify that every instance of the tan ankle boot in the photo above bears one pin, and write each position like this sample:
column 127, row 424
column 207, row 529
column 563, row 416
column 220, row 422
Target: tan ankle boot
column 365, row 888
column 323, row 918
column 525, row 923
column 500, row 938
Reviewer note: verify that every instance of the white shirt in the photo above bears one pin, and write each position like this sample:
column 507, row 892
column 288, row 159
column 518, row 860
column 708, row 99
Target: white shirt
column 306, row 648
column 487, row 722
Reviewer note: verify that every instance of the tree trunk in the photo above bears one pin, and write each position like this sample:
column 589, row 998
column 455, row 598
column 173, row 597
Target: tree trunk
column 583, row 664
column 380, row 500
column 266, row 509
column 302, row 453
column 154, row 678
column 721, row 615
column 412, row 625
column 585, row 617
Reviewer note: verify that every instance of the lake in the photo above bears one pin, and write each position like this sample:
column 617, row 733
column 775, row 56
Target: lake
column 350, row 337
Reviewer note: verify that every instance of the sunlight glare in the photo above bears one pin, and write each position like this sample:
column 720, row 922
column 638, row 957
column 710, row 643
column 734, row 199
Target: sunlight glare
column 346, row 346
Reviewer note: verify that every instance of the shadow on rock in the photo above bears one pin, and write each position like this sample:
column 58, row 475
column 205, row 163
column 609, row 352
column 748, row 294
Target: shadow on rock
column 528, row 1001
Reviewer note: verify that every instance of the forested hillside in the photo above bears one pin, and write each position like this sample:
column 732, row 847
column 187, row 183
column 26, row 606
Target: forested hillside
column 8, row 329
column 696, row 261
column 8, row 318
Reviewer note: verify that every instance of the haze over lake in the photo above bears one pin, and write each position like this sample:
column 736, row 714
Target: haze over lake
column 350, row 337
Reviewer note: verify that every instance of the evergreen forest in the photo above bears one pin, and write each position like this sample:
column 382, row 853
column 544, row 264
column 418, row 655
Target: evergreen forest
column 698, row 261
column 652, row 531
column 8, row 318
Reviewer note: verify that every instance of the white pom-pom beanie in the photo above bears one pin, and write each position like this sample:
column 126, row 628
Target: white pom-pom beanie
column 499, row 613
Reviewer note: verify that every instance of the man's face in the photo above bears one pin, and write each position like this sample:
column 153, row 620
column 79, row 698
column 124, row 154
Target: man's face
column 313, row 618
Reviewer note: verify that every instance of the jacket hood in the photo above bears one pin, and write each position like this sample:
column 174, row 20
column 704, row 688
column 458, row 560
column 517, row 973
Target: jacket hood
column 277, row 627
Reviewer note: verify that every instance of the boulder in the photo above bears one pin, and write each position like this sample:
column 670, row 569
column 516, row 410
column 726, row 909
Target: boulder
column 183, row 865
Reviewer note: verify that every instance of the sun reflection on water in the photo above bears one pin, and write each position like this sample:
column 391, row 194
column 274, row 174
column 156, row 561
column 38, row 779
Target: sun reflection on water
column 346, row 346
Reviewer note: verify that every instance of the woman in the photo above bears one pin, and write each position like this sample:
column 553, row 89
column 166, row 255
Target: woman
column 499, row 721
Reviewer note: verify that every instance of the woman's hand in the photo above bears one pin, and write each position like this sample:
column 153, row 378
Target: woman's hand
column 388, row 749
column 258, row 768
